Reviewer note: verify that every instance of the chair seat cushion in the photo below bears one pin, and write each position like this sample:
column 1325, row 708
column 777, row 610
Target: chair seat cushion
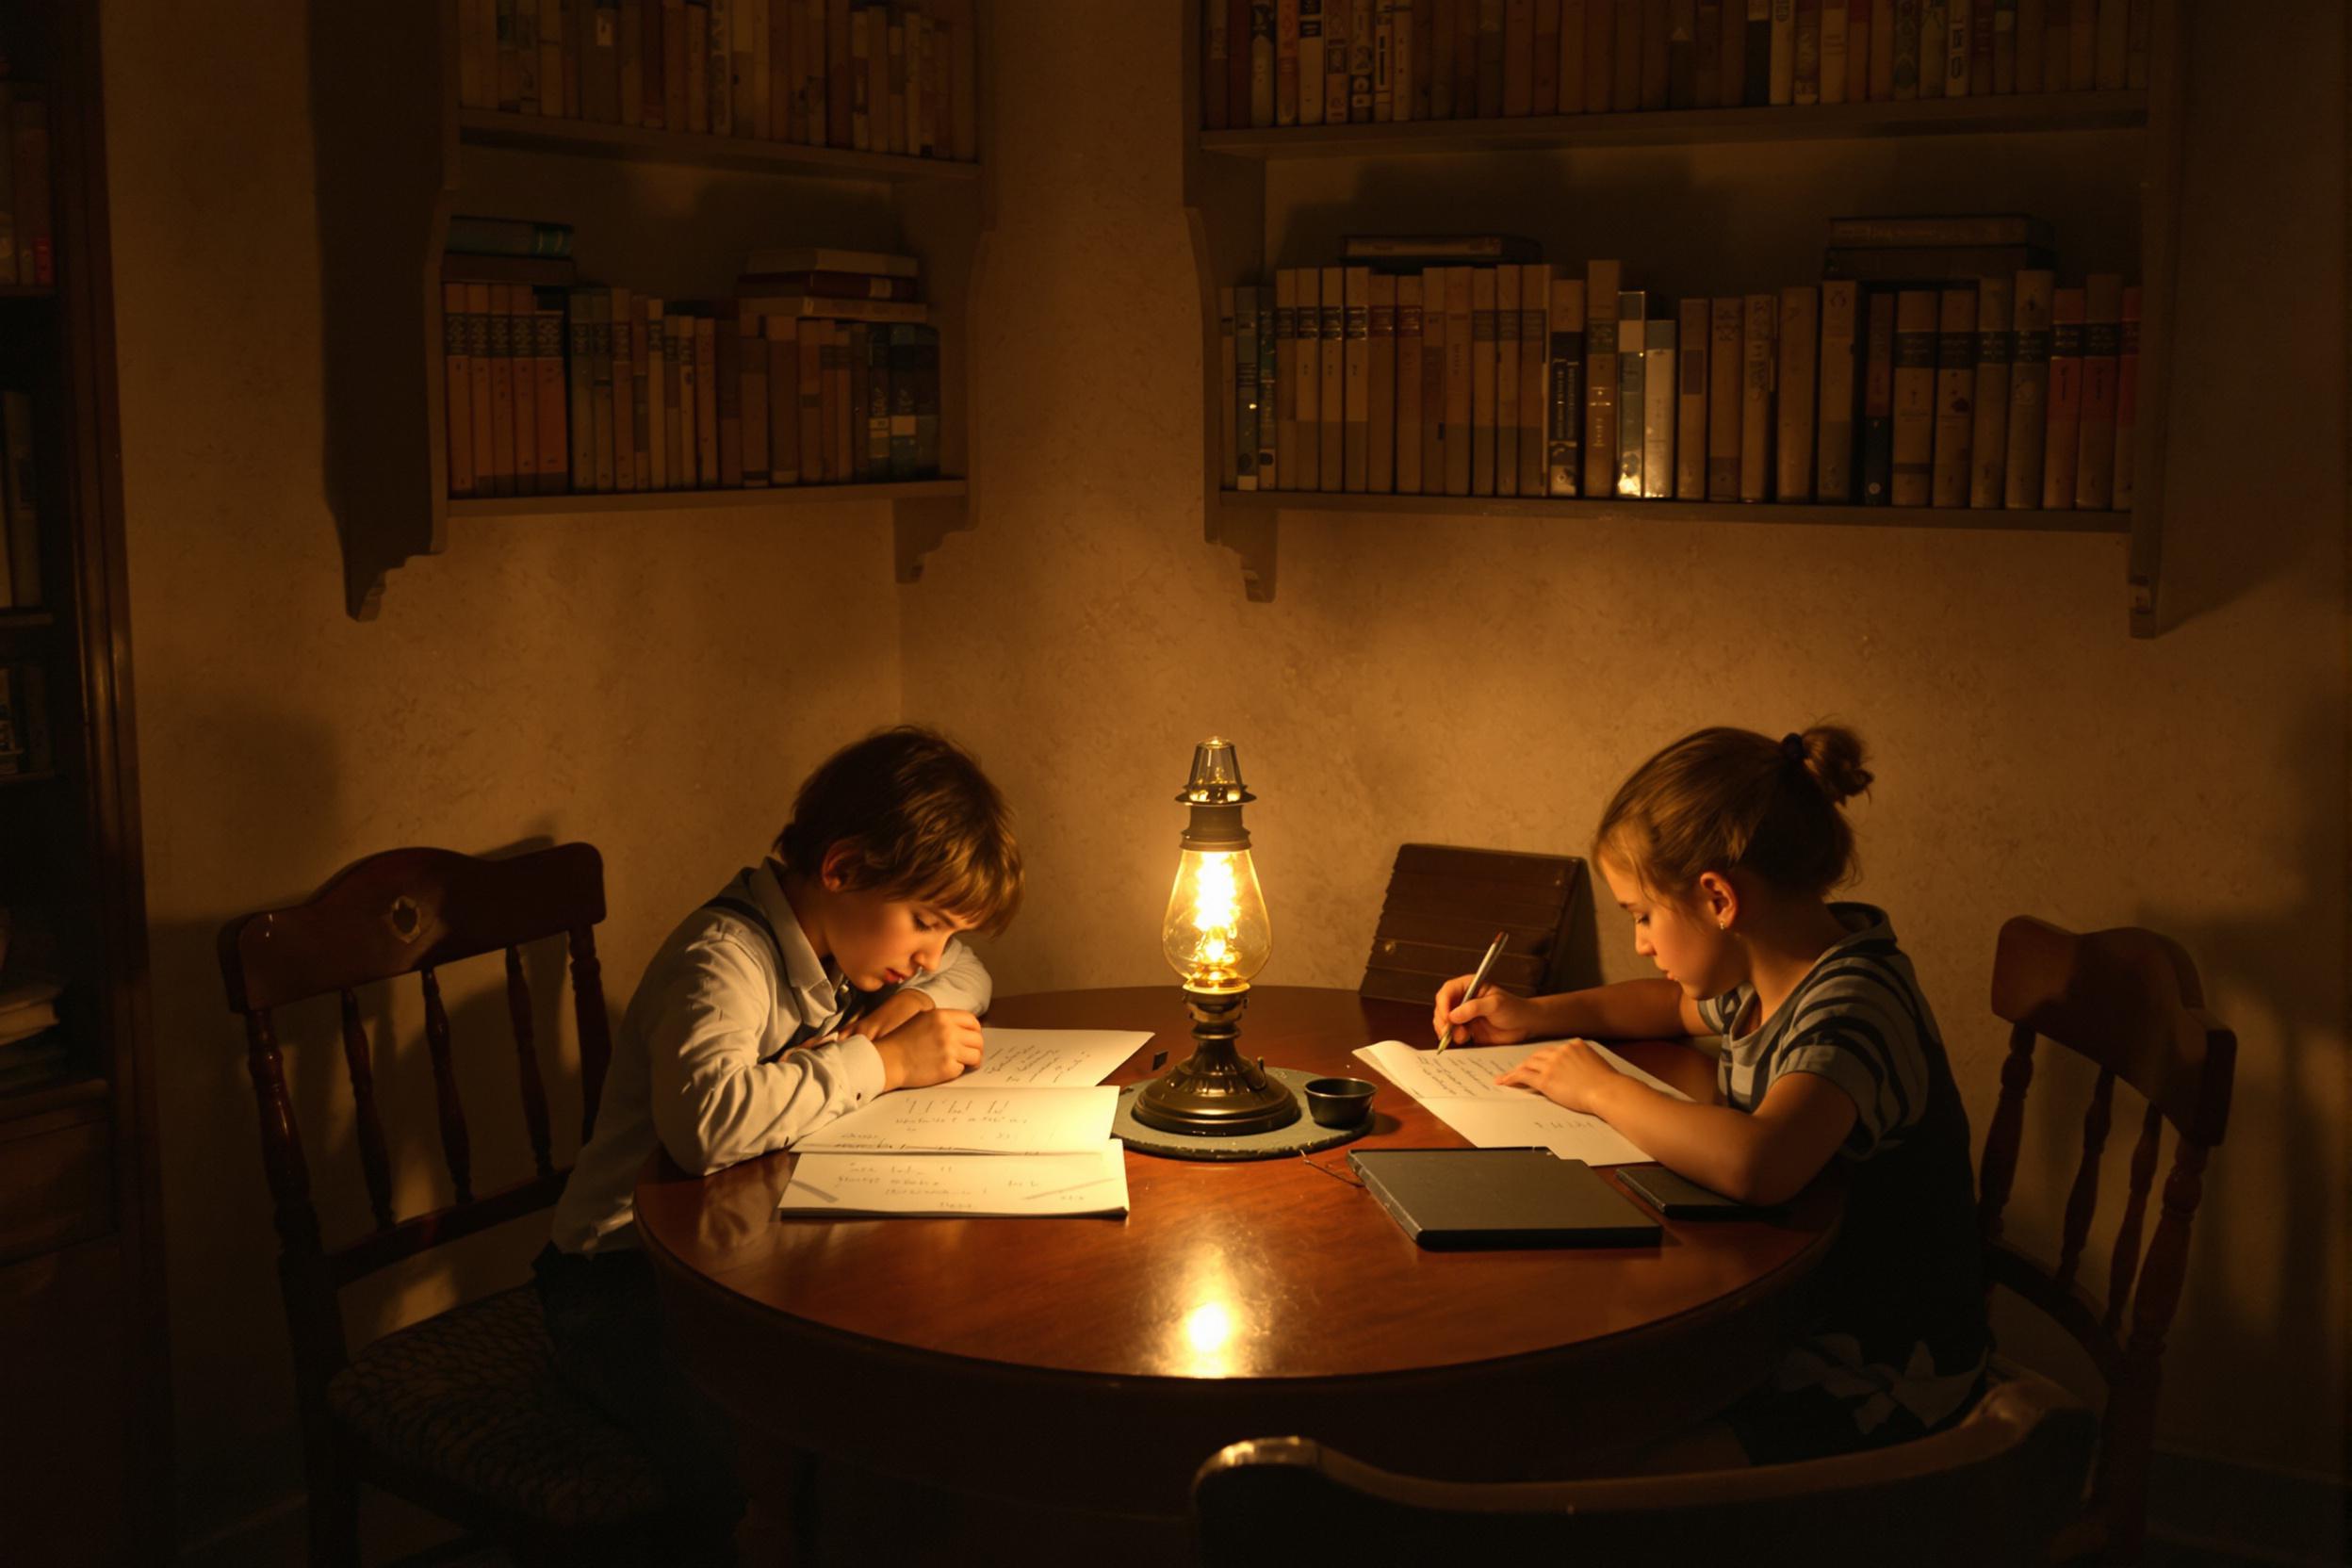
column 472, row 1397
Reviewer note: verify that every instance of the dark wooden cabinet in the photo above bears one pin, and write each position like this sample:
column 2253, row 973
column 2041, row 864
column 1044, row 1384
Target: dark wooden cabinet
column 84, row 1391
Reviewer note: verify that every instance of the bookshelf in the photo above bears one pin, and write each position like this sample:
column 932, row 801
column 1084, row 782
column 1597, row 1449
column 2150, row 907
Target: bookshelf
column 84, row 1378
column 666, row 212
column 1700, row 200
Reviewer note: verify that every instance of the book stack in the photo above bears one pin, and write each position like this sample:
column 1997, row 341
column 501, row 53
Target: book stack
column 822, row 369
column 1405, row 371
column 876, row 76
column 32, row 1047
column 1267, row 63
column 20, row 504
column 27, row 254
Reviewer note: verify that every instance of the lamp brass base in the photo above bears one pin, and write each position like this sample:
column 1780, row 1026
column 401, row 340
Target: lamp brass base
column 1213, row 1092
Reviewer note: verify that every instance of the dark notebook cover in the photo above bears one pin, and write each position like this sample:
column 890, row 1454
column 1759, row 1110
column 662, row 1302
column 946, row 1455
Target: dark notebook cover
column 1450, row 1200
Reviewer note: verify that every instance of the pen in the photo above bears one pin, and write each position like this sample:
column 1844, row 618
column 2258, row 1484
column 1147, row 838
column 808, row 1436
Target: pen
column 1477, row 983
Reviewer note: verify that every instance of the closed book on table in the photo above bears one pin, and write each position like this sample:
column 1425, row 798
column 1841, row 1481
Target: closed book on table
column 1406, row 385
column 1832, row 476
column 1915, row 316
column 1285, row 395
column 1988, row 445
column 1760, row 367
column 1800, row 341
column 2127, row 399
column 2061, row 453
column 1660, row 393
column 1878, row 398
column 1506, row 381
column 1306, row 382
column 1433, row 354
column 2028, row 393
column 1601, row 279
column 1228, row 381
column 1269, row 392
column 1564, row 445
column 1332, row 459
column 1955, row 397
column 1535, row 300
column 2095, row 462
column 1246, row 387
column 457, row 397
column 1449, row 1200
column 1356, row 362
column 1461, row 408
column 1726, row 323
column 1633, row 310
column 1380, row 386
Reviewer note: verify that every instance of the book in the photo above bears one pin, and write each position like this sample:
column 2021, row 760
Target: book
column 1515, row 55
column 814, row 455
column 1624, row 95
column 1574, row 29
column 1433, row 357
column 1860, row 44
column 1309, row 66
column 1229, row 379
column 600, row 386
column 1914, row 436
column 911, row 312
column 1285, row 356
column 580, row 359
column 1304, row 469
column 2127, row 394
column 1834, row 36
column 1564, row 445
column 1959, row 46
column 1338, row 17
column 654, row 407
column 20, row 503
column 751, row 365
column 1682, row 54
column 1935, row 15
column 1833, row 477
column 1461, row 410
column 1245, row 386
column 1436, row 62
column 1988, row 444
column 1269, row 392
column 1878, row 398
column 1601, row 279
column 1780, row 52
column 783, row 334
column 1796, row 391
column 489, row 480
column 1287, row 65
column 1408, row 383
column 1413, row 251
column 1707, row 70
column 621, row 313
column 1759, row 369
column 1955, row 397
column 2033, row 34
column 1659, row 391
column 1924, row 264
column 1362, row 46
column 827, row 284
column 1535, row 298
column 1905, row 71
column 1380, row 386
column 507, row 237
column 1332, row 459
column 806, row 258
column 523, row 379
column 1261, row 63
column 28, row 172
column 1543, row 81
column 2061, row 453
column 2095, row 460
column 1600, row 64
column 1986, row 229
column 1482, row 358
column 709, row 388
column 2028, row 392
column 881, row 401
column 457, row 398
column 1507, row 287
column 1726, row 320
column 1805, row 53
column 1463, row 1198
column 1356, row 385
column 1633, row 309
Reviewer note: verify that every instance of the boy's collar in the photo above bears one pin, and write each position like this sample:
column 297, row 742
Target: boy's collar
column 814, row 978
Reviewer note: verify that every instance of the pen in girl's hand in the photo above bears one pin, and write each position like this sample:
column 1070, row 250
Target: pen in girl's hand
column 1477, row 983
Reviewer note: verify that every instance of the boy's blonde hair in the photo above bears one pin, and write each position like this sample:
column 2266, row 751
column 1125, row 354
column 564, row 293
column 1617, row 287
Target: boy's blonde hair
column 921, row 821
column 1720, row 798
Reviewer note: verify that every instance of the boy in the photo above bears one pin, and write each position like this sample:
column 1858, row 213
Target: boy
column 824, row 976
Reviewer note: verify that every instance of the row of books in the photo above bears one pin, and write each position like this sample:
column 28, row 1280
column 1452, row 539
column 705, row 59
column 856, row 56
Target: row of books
column 20, row 515
column 27, row 256
column 24, row 741
column 1315, row 62
column 877, row 75
column 594, row 389
column 1526, row 379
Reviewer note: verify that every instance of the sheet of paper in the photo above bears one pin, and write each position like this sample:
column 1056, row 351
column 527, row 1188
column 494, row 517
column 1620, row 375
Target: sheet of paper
column 1052, row 1058
column 1011, row 1185
column 1468, row 1072
column 971, row 1117
column 1530, row 1121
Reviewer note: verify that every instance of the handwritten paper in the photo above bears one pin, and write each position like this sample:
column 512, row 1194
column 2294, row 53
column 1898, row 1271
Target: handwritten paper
column 1458, row 1087
column 960, row 1117
column 1001, row 1185
column 1052, row 1058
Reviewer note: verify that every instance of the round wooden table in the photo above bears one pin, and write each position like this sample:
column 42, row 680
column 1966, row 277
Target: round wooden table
column 1095, row 1364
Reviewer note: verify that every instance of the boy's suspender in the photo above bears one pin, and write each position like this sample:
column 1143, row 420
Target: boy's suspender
column 751, row 914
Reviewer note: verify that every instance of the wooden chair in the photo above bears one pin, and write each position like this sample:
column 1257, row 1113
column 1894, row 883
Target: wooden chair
column 1990, row 1490
column 465, row 1412
column 1444, row 905
column 2130, row 1001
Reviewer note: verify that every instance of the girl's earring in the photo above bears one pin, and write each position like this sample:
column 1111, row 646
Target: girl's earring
column 1724, row 924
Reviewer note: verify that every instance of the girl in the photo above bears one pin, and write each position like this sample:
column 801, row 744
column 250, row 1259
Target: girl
column 1723, row 848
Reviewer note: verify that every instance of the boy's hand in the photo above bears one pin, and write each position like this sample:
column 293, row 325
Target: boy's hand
column 934, row 1046
column 892, row 1013
column 1568, row 1074
column 1496, row 1018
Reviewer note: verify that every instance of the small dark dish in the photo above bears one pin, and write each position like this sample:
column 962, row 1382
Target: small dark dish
column 1338, row 1102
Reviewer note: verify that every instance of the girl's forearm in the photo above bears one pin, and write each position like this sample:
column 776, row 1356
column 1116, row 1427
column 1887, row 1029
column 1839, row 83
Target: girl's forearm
column 1713, row 1145
column 1629, row 1010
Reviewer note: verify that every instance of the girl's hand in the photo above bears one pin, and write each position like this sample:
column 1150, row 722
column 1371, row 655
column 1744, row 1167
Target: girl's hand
column 894, row 1011
column 1496, row 1018
column 1567, row 1074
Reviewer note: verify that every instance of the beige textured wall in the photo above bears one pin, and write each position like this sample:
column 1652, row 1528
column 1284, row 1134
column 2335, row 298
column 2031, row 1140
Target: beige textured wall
column 633, row 682
column 1489, row 683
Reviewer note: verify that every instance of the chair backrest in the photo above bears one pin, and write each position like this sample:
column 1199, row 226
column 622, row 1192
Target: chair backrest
column 408, row 911
column 2130, row 1001
column 1444, row 905
column 1993, row 1489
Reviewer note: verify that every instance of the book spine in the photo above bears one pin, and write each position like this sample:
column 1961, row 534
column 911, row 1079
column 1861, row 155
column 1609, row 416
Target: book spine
column 551, row 68
column 457, row 371
column 1757, row 87
column 1707, row 84
column 909, row 400
column 2139, row 30
column 675, row 115
column 1260, row 63
column 1984, row 29
column 1309, row 66
column 1356, row 361
column 1286, row 62
column 1418, row 20
column 1304, row 469
column 601, row 383
column 1840, row 327
column 751, row 365
column 1832, row 51
column 1935, row 15
column 2061, row 451
column 1535, row 298
column 554, row 433
column 1800, row 341
column 1955, row 397
column 682, row 395
column 1460, row 405
column 1860, row 37
column 1437, row 66
column 1633, row 309
column 620, row 311
column 1659, row 395
column 1246, row 387
column 1959, row 47
column 1228, row 378
column 630, row 85
column 1543, row 73
column 814, row 466
column 523, row 376
column 1362, row 50
column 1337, row 17
column 782, row 347
column 481, row 330
column 1914, row 397
column 1878, row 398
column 694, row 67
column 1988, row 443
column 707, row 391
column 1726, row 320
column 2127, row 393
column 1384, row 60
column 1780, row 46
column 1332, row 457
column 1806, row 77
column 525, row 30
column 1507, row 287
column 881, row 399
column 1600, row 68
column 1408, row 382
column 1269, row 393
column 2033, row 34
column 640, row 403
column 1563, row 447
column 1380, row 391
column 1694, row 336
column 1601, row 280
column 1883, row 29
column 1483, row 348
column 1284, row 395
column 2003, row 78
column 2111, row 51
column 1905, row 74
column 653, row 318
column 1625, row 96
column 1216, row 67
column 1760, row 362
column 1574, row 24
column 582, row 401
column 2102, row 334
column 1433, row 360
column 7, row 186
column 1517, row 58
